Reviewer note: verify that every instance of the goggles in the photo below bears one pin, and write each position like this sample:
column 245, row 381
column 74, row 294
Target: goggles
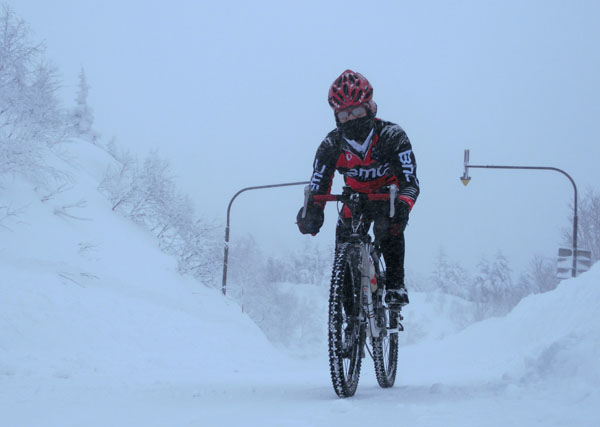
column 352, row 113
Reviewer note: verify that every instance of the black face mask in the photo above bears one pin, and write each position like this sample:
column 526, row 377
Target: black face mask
column 357, row 129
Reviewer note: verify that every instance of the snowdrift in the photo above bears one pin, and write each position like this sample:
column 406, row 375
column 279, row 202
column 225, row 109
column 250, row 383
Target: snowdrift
column 555, row 335
column 85, row 293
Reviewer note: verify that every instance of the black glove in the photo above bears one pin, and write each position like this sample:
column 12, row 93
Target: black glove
column 312, row 222
column 402, row 210
column 400, row 219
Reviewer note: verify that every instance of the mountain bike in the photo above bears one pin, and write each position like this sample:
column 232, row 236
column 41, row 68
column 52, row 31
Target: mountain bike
column 357, row 310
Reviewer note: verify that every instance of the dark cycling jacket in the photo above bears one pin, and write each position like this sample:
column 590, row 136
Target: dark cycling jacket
column 388, row 160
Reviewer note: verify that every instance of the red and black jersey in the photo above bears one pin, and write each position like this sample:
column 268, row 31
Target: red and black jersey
column 385, row 158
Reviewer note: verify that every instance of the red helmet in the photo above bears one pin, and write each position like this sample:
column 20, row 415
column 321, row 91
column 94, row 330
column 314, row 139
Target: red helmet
column 350, row 89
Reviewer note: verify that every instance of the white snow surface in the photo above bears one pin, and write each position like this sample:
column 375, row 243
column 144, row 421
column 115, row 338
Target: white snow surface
column 98, row 329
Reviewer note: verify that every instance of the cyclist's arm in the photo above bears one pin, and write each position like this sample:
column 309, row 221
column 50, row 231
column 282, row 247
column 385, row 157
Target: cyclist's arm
column 324, row 166
column 403, row 164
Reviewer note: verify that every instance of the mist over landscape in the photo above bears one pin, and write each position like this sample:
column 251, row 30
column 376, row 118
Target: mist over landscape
column 125, row 129
column 231, row 102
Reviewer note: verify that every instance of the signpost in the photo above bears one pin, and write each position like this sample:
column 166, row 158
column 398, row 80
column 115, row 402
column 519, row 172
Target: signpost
column 564, row 265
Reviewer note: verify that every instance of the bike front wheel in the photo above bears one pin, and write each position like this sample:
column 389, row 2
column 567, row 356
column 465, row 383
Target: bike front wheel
column 346, row 330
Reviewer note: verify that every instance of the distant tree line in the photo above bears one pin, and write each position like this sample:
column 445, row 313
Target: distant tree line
column 492, row 286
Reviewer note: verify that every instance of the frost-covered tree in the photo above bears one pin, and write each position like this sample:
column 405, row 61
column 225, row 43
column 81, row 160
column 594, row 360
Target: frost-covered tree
column 493, row 286
column 82, row 117
column 276, row 270
column 588, row 228
column 120, row 180
column 277, row 293
column 154, row 192
column 311, row 264
column 111, row 148
column 450, row 277
column 247, row 265
column 146, row 193
column 143, row 192
column 539, row 276
column 30, row 117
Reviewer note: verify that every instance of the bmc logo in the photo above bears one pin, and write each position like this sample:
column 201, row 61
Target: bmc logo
column 369, row 173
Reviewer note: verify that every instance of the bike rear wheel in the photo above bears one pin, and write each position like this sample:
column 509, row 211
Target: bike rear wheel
column 346, row 330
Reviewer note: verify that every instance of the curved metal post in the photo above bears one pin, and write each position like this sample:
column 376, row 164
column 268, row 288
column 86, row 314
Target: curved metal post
column 465, row 179
column 227, row 227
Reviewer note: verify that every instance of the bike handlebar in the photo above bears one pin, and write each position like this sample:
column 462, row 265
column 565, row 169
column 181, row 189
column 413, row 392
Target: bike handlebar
column 343, row 197
column 391, row 196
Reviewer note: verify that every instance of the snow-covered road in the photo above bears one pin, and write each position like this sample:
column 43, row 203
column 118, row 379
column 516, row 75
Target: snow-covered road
column 294, row 395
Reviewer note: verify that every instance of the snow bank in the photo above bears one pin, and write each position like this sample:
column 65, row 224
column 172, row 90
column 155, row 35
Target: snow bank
column 85, row 293
column 552, row 335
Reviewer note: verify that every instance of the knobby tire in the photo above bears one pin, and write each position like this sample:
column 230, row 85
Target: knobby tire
column 346, row 331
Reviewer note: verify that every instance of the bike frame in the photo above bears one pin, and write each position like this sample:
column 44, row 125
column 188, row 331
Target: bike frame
column 370, row 258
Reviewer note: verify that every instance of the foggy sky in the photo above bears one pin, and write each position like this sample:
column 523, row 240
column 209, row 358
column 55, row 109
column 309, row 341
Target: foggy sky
column 234, row 94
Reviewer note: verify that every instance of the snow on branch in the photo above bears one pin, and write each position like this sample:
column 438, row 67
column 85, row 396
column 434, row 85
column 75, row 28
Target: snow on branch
column 63, row 210
column 6, row 213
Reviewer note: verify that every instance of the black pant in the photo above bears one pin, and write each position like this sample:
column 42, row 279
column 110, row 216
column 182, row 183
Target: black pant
column 389, row 232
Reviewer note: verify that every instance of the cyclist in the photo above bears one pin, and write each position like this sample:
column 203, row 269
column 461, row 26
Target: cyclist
column 371, row 154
